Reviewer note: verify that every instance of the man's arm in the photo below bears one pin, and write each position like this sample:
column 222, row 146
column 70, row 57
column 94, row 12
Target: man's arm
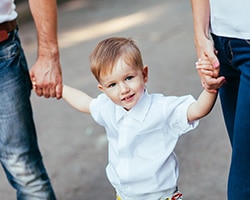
column 47, row 69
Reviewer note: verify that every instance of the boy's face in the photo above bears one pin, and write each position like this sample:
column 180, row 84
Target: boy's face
column 125, row 84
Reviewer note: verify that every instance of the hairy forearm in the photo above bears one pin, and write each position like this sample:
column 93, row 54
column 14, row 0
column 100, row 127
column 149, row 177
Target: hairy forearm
column 44, row 13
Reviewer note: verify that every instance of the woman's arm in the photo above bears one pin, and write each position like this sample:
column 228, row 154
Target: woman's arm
column 203, row 43
column 201, row 18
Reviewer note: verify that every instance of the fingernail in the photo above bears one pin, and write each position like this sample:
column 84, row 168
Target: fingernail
column 216, row 64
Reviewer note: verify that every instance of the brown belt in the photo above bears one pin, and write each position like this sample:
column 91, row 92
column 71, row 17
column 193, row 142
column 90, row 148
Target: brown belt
column 5, row 28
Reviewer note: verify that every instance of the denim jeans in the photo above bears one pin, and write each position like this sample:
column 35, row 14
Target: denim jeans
column 19, row 152
column 234, row 57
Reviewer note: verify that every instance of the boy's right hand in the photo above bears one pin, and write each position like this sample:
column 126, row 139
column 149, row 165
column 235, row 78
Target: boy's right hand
column 205, row 68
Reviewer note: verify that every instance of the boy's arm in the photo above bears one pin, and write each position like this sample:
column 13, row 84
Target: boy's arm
column 202, row 107
column 77, row 99
column 206, row 99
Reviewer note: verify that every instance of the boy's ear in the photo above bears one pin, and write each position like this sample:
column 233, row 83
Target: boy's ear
column 145, row 73
column 100, row 87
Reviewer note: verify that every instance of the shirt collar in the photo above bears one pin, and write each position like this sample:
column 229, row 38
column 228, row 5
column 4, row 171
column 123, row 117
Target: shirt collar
column 139, row 111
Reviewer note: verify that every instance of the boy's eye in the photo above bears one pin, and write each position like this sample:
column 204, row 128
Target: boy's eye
column 129, row 78
column 111, row 85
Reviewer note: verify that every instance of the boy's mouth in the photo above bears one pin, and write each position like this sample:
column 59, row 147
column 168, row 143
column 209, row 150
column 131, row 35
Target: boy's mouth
column 128, row 97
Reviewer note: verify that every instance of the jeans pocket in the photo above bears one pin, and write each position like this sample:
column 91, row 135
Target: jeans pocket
column 248, row 42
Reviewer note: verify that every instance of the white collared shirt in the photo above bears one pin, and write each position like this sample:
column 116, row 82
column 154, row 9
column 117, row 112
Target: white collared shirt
column 7, row 10
column 142, row 163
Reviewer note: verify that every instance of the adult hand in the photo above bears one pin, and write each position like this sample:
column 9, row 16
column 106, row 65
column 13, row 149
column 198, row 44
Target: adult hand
column 46, row 74
column 205, row 50
column 208, row 72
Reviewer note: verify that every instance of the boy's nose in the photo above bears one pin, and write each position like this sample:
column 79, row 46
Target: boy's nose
column 124, row 88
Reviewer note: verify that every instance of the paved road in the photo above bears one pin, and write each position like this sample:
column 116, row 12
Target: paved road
column 74, row 147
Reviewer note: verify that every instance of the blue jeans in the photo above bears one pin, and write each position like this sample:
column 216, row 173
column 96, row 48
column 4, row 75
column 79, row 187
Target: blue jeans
column 234, row 57
column 19, row 152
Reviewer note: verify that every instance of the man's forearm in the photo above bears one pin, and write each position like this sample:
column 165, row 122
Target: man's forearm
column 44, row 13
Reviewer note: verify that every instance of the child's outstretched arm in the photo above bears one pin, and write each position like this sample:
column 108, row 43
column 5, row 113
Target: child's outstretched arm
column 77, row 99
column 206, row 99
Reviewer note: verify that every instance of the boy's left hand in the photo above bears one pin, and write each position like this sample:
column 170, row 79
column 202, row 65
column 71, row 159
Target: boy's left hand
column 205, row 68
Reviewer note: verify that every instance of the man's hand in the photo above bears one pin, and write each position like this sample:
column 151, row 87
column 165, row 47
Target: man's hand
column 47, row 76
column 47, row 69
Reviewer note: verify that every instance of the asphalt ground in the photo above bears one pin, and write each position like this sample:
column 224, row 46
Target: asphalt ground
column 74, row 147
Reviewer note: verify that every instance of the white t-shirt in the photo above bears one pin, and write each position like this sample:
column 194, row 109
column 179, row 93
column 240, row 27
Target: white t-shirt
column 230, row 18
column 142, row 163
column 7, row 10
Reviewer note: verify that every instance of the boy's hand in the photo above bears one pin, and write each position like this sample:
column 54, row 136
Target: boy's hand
column 205, row 68
column 34, row 86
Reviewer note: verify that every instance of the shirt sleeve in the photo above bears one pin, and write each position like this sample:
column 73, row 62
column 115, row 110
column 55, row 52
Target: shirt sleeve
column 97, row 105
column 178, row 121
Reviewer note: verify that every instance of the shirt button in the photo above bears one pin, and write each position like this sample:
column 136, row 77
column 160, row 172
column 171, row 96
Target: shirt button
column 123, row 161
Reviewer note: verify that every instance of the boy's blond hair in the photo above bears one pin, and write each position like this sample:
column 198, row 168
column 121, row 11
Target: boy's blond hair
column 108, row 51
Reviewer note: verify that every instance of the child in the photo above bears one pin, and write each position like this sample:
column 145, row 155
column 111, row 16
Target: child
column 142, row 129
